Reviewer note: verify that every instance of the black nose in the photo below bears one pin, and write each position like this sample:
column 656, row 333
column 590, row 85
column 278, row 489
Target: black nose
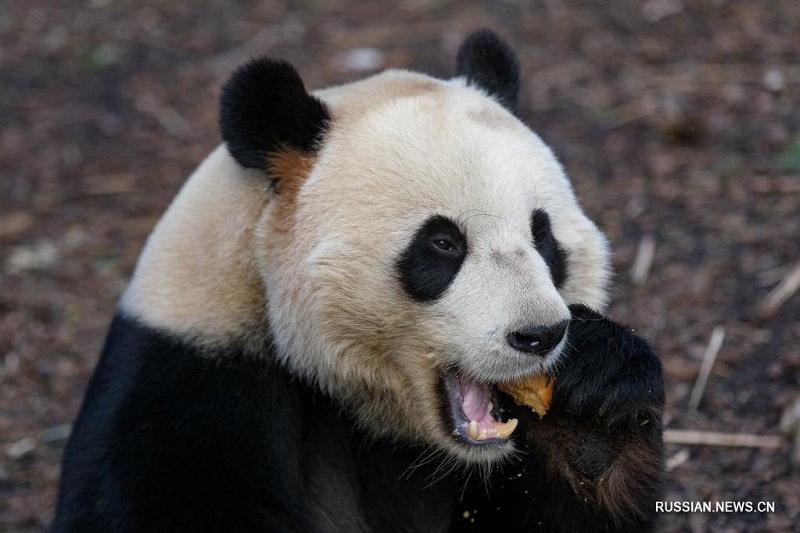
column 537, row 340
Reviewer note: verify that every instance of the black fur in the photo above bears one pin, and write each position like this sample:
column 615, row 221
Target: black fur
column 594, row 463
column 433, row 258
column 486, row 61
column 549, row 248
column 172, row 439
column 609, row 372
column 264, row 107
column 175, row 439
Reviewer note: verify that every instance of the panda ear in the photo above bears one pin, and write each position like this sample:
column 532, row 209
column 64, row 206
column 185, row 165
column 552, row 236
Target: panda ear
column 486, row 61
column 264, row 107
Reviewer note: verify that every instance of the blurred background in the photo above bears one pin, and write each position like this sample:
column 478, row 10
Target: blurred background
column 678, row 120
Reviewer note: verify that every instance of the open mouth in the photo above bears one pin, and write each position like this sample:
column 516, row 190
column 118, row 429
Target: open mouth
column 475, row 410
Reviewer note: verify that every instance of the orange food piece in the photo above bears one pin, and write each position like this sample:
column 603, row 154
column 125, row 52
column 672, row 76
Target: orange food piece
column 535, row 391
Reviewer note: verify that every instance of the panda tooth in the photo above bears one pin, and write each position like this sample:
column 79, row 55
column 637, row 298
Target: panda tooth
column 473, row 431
column 505, row 429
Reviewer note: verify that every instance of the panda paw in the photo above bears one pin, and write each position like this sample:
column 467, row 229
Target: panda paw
column 607, row 372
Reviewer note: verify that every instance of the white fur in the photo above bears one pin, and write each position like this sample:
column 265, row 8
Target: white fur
column 197, row 274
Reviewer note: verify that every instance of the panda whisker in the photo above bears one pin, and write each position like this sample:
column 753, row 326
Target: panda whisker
column 486, row 473
column 485, row 214
column 558, row 365
column 545, row 199
column 426, row 456
column 479, row 213
column 441, row 470
column 464, row 486
column 584, row 319
column 444, row 469
column 458, row 219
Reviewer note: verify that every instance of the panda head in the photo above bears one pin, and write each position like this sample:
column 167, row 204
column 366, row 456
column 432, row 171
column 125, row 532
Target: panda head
column 415, row 242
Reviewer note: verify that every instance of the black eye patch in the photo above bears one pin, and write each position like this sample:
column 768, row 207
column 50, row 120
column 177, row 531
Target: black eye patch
column 548, row 247
column 432, row 259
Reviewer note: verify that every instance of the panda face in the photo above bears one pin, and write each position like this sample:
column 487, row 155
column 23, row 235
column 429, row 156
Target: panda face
column 428, row 251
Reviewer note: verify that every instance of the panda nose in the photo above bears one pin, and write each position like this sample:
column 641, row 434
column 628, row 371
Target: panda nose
column 537, row 340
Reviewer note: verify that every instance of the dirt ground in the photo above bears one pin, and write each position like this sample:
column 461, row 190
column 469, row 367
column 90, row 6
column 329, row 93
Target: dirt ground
column 678, row 121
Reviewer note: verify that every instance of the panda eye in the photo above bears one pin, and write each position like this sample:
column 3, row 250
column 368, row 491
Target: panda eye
column 432, row 259
column 444, row 245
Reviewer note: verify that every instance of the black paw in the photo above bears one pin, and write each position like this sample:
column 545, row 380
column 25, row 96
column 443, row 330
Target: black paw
column 608, row 372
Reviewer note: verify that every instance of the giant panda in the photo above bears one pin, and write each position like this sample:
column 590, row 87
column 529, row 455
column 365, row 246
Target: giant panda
column 330, row 301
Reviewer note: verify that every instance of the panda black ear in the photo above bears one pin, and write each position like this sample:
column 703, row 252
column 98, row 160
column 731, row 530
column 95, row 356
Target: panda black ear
column 265, row 107
column 486, row 61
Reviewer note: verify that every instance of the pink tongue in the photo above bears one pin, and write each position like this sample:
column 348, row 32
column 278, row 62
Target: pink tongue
column 475, row 402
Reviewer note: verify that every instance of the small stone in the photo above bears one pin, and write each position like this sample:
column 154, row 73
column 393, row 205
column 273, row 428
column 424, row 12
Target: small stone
column 773, row 80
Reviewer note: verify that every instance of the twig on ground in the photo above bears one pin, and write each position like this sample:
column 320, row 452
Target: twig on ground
column 713, row 438
column 677, row 460
column 644, row 260
column 780, row 294
column 714, row 345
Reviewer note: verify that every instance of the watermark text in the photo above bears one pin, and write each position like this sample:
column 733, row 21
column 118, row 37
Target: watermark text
column 715, row 507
